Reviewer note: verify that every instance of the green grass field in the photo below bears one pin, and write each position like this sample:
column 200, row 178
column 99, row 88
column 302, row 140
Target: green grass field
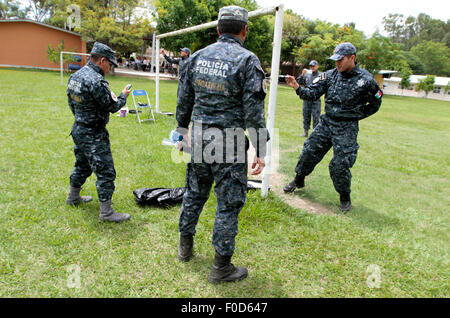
column 399, row 222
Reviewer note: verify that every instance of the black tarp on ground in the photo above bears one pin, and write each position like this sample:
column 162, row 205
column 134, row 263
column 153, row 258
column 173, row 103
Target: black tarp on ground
column 162, row 197
column 166, row 197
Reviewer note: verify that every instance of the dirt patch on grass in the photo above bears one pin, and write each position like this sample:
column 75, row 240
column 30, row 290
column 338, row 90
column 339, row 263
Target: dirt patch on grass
column 277, row 182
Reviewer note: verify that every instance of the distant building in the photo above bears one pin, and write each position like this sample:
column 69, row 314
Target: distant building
column 391, row 86
column 24, row 43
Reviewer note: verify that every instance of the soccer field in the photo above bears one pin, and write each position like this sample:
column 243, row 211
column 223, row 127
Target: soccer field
column 393, row 243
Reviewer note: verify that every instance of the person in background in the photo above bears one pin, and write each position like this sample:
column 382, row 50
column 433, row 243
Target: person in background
column 310, row 108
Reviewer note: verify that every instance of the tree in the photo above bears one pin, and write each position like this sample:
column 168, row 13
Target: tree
column 434, row 56
column 415, row 63
column 426, row 85
column 394, row 26
column 381, row 53
column 116, row 23
column 413, row 30
column 40, row 10
column 447, row 87
column 11, row 9
column 323, row 40
column 405, row 81
column 294, row 33
column 54, row 55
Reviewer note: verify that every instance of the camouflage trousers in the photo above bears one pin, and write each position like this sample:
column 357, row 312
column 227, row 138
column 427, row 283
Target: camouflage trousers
column 231, row 191
column 342, row 136
column 311, row 109
column 93, row 154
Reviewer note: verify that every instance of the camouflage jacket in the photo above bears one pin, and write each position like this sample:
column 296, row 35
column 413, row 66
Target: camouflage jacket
column 348, row 96
column 90, row 98
column 179, row 60
column 306, row 80
column 223, row 85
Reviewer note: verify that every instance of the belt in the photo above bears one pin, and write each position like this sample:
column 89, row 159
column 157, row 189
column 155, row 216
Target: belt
column 93, row 126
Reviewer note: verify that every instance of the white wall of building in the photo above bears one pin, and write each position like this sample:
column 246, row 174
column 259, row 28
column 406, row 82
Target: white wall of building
column 391, row 86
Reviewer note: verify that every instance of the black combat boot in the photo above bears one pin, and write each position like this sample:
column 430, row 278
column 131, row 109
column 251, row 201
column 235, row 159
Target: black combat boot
column 224, row 272
column 298, row 182
column 108, row 214
column 346, row 203
column 185, row 248
column 74, row 198
column 305, row 134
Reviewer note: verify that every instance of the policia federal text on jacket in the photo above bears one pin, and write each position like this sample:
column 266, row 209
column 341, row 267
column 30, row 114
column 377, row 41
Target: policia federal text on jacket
column 223, row 87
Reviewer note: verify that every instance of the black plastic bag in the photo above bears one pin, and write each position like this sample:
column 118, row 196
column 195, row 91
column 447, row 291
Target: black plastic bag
column 159, row 197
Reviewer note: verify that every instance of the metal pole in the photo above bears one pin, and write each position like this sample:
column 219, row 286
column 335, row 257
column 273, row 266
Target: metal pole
column 208, row 25
column 61, row 66
column 152, row 62
column 275, row 68
column 157, row 76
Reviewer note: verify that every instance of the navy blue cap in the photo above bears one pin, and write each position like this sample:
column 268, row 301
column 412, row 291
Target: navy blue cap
column 313, row 63
column 342, row 50
column 104, row 50
column 234, row 13
column 185, row 49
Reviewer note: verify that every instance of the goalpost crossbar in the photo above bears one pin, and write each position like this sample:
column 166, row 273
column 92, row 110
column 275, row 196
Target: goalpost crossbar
column 62, row 62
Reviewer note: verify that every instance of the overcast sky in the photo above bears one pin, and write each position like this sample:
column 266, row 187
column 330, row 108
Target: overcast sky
column 367, row 15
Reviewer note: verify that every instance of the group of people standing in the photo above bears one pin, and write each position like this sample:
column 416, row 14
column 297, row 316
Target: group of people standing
column 222, row 88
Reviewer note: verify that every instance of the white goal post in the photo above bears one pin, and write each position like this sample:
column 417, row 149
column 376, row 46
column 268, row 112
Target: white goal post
column 275, row 68
column 62, row 62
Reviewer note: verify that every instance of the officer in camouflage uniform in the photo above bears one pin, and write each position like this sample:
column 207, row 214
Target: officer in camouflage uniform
column 91, row 100
column 184, row 52
column 310, row 108
column 351, row 94
column 224, row 88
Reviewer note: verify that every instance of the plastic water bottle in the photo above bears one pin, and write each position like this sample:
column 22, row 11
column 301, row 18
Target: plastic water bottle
column 167, row 142
column 175, row 136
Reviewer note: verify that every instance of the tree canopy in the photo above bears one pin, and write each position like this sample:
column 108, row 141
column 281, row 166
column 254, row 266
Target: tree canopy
column 424, row 40
column 179, row 14
column 413, row 44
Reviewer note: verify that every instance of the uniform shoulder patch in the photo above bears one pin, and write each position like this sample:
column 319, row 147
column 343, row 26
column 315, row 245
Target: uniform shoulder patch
column 264, row 86
column 379, row 94
column 321, row 77
column 113, row 96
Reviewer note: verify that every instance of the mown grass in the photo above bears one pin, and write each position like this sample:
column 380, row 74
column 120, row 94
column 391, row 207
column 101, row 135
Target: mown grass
column 399, row 221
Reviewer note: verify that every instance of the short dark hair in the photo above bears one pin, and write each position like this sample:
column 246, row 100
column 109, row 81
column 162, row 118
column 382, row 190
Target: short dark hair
column 94, row 57
column 231, row 26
